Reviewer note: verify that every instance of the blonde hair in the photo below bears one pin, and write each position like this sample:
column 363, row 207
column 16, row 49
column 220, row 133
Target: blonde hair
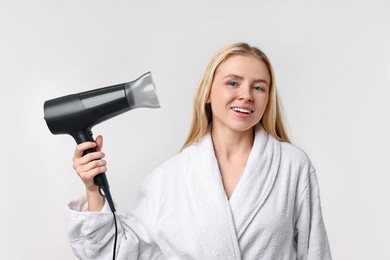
column 272, row 120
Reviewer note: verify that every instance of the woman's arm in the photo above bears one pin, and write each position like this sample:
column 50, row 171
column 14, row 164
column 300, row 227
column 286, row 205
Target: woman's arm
column 90, row 223
column 311, row 236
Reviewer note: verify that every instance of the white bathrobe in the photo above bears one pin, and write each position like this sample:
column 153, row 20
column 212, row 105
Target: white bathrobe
column 183, row 212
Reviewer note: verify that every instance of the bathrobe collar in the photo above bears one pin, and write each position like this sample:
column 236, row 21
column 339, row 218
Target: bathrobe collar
column 221, row 222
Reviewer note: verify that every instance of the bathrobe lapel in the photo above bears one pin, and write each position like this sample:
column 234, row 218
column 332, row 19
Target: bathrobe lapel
column 222, row 222
column 211, row 210
column 257, row 180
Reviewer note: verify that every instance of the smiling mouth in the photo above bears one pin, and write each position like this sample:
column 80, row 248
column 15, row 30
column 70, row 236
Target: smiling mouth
column 242, row 110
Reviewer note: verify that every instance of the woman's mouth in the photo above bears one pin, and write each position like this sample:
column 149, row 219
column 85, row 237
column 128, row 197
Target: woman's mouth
column 242, row 110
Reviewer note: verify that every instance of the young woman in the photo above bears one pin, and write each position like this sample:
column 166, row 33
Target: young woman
column 237, row 190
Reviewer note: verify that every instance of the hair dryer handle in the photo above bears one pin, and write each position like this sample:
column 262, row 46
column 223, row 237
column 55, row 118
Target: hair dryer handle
column 100, row 180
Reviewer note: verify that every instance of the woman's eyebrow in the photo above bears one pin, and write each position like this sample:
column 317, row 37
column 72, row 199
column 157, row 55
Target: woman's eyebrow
column 234, row 76
column 261, row 81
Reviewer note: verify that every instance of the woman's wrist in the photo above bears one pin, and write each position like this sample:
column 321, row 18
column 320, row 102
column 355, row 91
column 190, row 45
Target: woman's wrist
column 95, row 200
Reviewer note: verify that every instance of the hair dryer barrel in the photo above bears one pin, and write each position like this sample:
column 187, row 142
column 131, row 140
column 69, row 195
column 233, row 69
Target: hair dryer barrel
column 69, row 114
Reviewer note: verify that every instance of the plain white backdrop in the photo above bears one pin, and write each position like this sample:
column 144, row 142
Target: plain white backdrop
column 332, row 64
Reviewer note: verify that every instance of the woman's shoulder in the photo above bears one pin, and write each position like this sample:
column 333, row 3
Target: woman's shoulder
column 165, row 180
column 293, row 151
column 295, row 155
column 170, row 168
column 295, row 166
column 175, row 162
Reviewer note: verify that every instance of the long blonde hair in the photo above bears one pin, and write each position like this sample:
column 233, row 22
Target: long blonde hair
column 272, row 120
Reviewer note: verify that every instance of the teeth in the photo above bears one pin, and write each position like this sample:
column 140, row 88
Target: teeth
column 242, row 110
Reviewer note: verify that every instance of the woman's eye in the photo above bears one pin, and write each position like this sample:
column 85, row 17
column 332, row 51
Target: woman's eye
column 259, row 89
column 232, row 84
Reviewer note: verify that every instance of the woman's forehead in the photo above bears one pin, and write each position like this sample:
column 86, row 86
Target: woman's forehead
column 241, row 65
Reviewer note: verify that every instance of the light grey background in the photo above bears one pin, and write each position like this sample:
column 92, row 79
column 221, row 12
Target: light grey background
column 332, row 63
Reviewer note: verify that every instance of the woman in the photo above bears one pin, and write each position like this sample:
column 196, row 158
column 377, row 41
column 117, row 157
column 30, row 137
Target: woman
column 237, row 190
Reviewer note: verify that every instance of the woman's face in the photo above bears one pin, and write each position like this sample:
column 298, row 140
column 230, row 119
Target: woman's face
column 239, row 93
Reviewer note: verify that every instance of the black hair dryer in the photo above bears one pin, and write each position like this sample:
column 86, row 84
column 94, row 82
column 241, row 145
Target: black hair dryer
column 76, row 114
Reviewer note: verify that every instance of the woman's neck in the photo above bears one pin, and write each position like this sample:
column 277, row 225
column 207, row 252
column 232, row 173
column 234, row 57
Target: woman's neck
column 232, row 151
column 232, row 144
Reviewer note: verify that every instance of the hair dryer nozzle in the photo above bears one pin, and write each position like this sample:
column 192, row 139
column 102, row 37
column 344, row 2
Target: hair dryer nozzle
column 142, row 92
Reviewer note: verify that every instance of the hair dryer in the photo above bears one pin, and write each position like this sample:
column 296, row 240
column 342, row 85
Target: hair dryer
column 76, row 114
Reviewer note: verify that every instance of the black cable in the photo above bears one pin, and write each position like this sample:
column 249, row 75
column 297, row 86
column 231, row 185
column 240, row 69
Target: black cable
column 104, row 192
column 116, row 235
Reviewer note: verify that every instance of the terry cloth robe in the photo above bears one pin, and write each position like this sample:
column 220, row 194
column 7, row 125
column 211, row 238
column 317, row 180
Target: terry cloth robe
column 182, row 211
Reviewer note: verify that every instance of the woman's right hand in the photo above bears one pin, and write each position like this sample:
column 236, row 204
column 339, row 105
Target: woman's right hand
column 88, row 166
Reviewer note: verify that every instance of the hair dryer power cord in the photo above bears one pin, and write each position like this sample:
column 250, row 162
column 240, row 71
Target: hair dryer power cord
column 116, row 235
column 112, row 208
column 105, row 193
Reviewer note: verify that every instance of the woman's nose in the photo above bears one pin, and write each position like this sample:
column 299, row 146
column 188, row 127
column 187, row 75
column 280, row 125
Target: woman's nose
column 245, row 95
